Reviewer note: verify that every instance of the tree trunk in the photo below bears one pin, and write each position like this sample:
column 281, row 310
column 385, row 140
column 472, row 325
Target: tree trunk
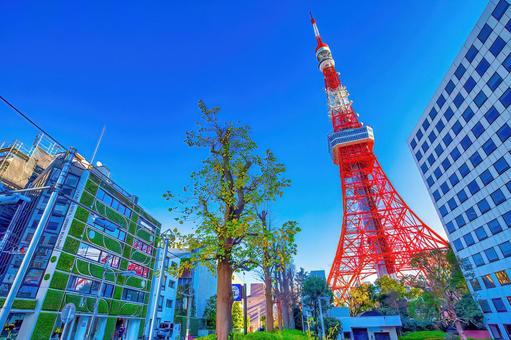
column 224, row 300
column 269, row 299
column 459, row 328
column 285, row 300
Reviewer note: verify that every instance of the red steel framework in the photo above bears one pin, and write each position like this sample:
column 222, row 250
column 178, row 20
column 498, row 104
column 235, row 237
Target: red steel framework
column 380, row 233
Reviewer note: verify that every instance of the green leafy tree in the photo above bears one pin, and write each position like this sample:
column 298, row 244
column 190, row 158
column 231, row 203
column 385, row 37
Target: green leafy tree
column 362, row 298
column 237, row 316
column 210, row 313
column 220, row 201
column 316, row 292
column 441, row 276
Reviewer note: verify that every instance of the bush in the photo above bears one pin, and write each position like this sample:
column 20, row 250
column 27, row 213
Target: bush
column 286, row 334
column 423, row 335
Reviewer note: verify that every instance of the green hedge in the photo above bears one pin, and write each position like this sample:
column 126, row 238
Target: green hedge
column 44, row 326
column 71, row 245
column 59, row 280
column 135, row 282
column 53, row 300
column 110, row 328
column 429, row 335
column 124, row 308
column 117, row 292
column 81, row 214
column 77, row 228
column 143, row 234
column 87, row 199
column 91, row 187
column 65, row 262
column 21, row 303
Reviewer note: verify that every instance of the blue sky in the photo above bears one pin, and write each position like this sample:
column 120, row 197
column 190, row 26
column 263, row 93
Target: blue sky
column 139, row 68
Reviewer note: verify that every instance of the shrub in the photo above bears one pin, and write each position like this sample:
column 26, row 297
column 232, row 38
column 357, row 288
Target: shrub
column 423, row 335
column 44, row 326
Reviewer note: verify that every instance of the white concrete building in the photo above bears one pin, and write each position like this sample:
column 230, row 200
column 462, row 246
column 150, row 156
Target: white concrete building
column 462, row 145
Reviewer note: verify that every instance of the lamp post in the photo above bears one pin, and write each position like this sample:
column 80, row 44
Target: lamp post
column 20, row 275
column 321, row 317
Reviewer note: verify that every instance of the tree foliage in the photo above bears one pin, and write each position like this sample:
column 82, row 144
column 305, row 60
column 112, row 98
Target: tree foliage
column 210, row 313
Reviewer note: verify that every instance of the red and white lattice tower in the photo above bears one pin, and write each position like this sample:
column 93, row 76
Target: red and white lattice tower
column 380, row 233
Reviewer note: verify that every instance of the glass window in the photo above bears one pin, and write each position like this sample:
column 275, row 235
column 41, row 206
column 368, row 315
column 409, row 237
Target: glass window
column 505, row 99
column 444, row 187
column 133, row 295
column 471, row 214
column 508, row 27
column 475, row 284
column 494, row 81
column 478, row 260
column 491, row 115
column 460, row 221
column 436, row 195
column 481, row 233
column 507, row 218
column 455, row 153
column 439, row 150
column 460, row 71
column 483, row 206
column 501, row 165
column 448, row 114
column 486, row 177
column 478, row 129
column 457, row 244
column 440, row 126
column 473, row 187
column 507, row 63
column 432, row 114
column 505, row 248
column 138, row 269
column 458, row 100
column 462, row 195
column 464, row 170
column 498, row 197
column 441, row 99
column 485, row 307
column 454, row 179
column 499, row 305
column 447, row 139
column 500, row 9
column 418, row 155
column 468, row 114
column 142, row 246
column 482, row 67
column 443, row 210
column 432, row 137
column 413, row 143
column 489, row 146
column 82, row 285
column 503, row 278
column 491, row 255
column 437, row 173
column 450, row 227
column 430, row 181
column 475, row 159
column 452, row 204
column 425, row 146
column 485, row 33
column 449, row 87
column 469, row 84
column 466, row 142
column 446, row 164
column 504, row 132
column 480, row 99
column 494, row 226
column 471, row 53
column 456, row 128
column 469, row 240
column 425, row 125
column 419, row 135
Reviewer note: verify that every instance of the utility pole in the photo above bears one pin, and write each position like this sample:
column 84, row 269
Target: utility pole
column 158, row 288
column 20, row 275
column 321, row 317
column 245, row 309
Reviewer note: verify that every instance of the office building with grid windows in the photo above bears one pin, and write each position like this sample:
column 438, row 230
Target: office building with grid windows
column 462, row 146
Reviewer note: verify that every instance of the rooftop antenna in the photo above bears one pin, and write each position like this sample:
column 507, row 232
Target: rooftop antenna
column 97, row 145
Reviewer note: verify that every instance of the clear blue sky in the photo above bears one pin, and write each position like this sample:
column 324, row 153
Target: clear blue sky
column 139, row 68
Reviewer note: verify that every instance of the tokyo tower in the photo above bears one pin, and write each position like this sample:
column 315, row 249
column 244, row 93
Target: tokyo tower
column 380, row 234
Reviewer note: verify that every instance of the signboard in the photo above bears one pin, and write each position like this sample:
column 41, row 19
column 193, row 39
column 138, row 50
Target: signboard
column 237, row 292
column 68, row 313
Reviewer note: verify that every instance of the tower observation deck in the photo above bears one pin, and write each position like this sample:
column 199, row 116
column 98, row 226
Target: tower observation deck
column 380, row 234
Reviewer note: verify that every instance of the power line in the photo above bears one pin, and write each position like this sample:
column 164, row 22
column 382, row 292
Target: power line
column 31, row 121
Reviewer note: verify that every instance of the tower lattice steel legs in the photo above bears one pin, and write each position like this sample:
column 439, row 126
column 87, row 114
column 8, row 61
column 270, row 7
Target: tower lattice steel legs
column 380, row 233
